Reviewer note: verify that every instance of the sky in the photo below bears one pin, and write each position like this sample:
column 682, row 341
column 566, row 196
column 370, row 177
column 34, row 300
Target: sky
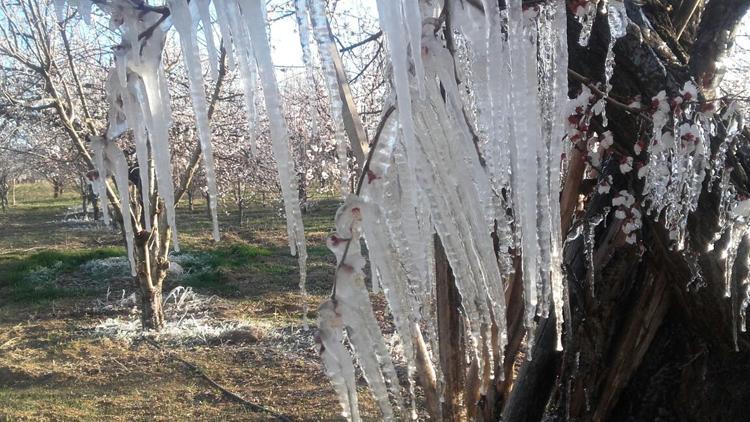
column 285, row 43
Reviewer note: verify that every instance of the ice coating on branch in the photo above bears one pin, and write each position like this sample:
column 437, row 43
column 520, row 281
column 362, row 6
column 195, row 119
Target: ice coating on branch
column 186, row 26
column 142, row 60
column 322, row 37
column 208, row 33
column 247, row 64
column 254, row 14
column 336, row 359
column 352, row 302
column 300, row 11
column 110, row 161
column 678, row 160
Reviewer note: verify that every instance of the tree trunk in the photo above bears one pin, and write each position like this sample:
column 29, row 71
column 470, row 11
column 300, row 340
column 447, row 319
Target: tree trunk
column 451, row 350
column 152, row 263
column 639, row 345
column 241, row 212
column 190, row 200
column 152, row 314
column 95, row 206
column 13, row 191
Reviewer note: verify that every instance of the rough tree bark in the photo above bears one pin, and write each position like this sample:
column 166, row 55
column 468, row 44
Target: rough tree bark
column 152, row 249
column 643, row 347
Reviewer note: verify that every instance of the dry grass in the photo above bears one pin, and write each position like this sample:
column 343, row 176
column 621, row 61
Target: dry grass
column 55, row 365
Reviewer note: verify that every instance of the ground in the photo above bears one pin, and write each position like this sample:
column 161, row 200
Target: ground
column 70, row 345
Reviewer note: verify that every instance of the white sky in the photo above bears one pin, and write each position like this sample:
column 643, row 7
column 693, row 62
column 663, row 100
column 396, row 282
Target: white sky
column 285, row 44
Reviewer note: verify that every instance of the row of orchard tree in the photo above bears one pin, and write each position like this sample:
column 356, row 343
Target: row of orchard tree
column 54, row 96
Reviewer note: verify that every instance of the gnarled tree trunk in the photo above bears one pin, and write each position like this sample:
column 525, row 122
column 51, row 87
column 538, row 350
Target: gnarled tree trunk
column 152, row 261
column 638, row 345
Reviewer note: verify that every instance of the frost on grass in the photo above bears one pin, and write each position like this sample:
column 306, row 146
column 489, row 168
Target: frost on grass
column 189, row 319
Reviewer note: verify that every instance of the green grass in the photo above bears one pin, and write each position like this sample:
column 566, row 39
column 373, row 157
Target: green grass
column 14, row 270
column 211, row 281
column 33, row 278
column 235, row 255
column 251, row 260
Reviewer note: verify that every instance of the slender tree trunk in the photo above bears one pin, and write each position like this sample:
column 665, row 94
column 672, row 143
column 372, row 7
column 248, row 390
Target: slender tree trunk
column 241, row 212
column 95, row 206
column 451, row 350
column 13, row 191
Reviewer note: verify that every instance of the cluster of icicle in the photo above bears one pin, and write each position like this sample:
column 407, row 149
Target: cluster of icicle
column 139, row 98
column 426, row 177
column 679, row 162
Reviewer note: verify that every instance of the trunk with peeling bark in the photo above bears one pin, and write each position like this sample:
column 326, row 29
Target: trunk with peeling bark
column 152, row 261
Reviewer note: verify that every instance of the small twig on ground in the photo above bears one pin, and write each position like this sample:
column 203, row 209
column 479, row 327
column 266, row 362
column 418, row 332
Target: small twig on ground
column 229, row 394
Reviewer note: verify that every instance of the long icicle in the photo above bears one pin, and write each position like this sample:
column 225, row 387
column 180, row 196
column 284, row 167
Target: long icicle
column 187, row 26
column 254, row 14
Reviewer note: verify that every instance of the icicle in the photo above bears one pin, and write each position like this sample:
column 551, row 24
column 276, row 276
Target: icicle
column 119, row 169
column 84, row 8
column 385, row 255
column 617, row 20
column 186, row 26
column 557, row 134
column 353, row 304
column 247, row 67
column 226, row 32
column 158, row 129
column 339, row 367
column 320, row 29
column 144, row 60
column 300, row 10
column 60, row 10
column 254, row 13
column 413, row 17
column 389, row 12
column 585, row 14
column 135, row 120
column 523, row 102
column 208, row 32
column 109, row 160
column 100, row 181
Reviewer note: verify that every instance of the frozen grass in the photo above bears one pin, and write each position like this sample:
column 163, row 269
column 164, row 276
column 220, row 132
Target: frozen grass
column 70, row 353
column 189, row 320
